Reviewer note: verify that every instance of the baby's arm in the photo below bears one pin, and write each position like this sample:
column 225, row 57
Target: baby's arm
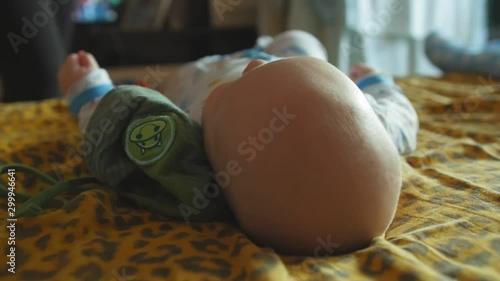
column 83, row 84
column 390, row 104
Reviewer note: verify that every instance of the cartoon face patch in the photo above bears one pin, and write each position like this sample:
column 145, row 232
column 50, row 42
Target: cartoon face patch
column 149, row 139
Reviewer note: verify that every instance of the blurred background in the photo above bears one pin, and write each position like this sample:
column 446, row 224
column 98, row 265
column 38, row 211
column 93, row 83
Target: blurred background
column 37, row 35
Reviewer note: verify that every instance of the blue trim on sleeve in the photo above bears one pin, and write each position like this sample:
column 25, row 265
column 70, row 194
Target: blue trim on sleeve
column 374, row 79
column 257, row 53
column 87, row 96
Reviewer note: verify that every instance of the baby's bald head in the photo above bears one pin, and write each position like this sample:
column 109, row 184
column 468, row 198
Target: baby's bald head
column 314, row 159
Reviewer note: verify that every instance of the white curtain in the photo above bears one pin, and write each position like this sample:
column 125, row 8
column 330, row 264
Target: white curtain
column 388, row 34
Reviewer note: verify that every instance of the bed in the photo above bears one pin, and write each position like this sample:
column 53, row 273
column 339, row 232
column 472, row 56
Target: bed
column 447, row 225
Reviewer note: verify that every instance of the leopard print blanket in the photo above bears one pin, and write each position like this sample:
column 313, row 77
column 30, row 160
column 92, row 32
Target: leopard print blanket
column 447, row 224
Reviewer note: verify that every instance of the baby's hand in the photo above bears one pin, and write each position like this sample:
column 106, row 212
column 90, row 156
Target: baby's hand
column 360, row 70
column 75, row 67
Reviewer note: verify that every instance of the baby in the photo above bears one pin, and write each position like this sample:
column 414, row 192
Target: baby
column 299, row 151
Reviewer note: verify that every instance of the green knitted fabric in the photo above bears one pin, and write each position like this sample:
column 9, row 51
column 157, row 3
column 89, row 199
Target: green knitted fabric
column 33, row 204
column 152, row 152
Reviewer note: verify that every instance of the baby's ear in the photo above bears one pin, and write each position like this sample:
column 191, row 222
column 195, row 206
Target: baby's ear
column 253, row 64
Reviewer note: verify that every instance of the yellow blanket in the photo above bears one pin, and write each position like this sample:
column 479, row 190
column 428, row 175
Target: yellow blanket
column 447, row 225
